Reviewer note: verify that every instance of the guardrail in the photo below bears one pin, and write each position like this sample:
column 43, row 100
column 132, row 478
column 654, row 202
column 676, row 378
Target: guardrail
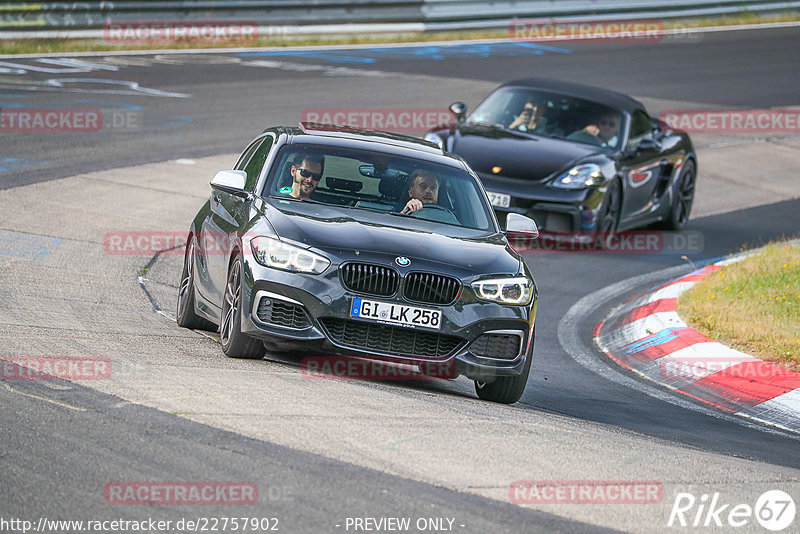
column 21, row 19
column 469, row 14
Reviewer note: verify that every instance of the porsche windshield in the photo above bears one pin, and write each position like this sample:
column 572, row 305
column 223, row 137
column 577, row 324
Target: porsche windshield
column 552, row 115
column 380, row 182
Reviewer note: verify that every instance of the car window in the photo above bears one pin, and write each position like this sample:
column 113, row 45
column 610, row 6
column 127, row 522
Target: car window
column 379, row 182
column 641, row 127
column 640, row 124
column 247, row 154
column 556, row 115
column 256, row 163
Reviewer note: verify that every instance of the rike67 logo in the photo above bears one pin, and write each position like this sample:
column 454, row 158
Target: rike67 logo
column 774, row 510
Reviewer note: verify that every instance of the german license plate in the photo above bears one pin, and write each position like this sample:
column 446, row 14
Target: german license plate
column 501, row 200
column 391, row 313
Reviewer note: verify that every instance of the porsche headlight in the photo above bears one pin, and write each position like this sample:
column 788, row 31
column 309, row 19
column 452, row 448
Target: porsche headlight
column 580, row 177
column 270, row 252
column 517, row 290
column 433, row 138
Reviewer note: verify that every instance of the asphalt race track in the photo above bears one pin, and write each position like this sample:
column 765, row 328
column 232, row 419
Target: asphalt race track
column 324, row 452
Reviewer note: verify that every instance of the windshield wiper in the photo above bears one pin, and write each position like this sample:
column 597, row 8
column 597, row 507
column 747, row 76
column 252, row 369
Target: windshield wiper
column 486, row 123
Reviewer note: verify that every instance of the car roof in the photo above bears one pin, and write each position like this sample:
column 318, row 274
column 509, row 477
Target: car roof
column 597, row 94
column 392, row 143
column 349, row 132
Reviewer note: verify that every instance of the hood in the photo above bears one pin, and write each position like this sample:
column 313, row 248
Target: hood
column 520, row 155
column 380, row 237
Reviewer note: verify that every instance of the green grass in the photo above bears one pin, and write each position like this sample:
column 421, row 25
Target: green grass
column 752, row 306
column 40, row 46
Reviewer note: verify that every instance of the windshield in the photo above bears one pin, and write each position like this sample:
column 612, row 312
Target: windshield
column 552, row 115
column 379, row 182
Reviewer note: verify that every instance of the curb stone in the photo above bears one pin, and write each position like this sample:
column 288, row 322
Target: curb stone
column 646, row 335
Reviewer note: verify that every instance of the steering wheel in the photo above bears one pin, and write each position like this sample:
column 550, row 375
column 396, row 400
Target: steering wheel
column 435, row 213
column 432, row 207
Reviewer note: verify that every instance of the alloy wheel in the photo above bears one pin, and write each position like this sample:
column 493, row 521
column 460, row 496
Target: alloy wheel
column 232, row 296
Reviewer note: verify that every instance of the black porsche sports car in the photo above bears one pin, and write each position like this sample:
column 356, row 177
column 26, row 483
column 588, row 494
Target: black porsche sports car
column 305, row 246
column 574, row 158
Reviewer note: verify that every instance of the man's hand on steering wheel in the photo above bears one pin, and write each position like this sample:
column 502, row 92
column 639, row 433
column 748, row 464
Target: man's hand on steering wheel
column 412, row 206
column 437, row 207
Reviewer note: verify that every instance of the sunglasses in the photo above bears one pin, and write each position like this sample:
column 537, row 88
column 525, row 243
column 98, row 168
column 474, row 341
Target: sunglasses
column 305, row 173
column 607, row 123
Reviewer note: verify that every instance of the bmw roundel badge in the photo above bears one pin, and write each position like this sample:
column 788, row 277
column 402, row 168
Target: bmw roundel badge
column 402, row 261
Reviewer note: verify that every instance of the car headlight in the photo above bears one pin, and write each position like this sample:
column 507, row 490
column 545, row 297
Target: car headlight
column 580, row 177
column 517, row 290
column 270, row 252
column 433, row 138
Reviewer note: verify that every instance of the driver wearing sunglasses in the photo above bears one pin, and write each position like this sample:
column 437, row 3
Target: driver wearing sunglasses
column 306, row 175
column 602, row 131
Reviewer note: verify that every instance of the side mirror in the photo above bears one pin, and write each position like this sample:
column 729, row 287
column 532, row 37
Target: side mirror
column 459, row 109
column 648, row 144
column 520, row 231
column 230, row 182
column 519, row 226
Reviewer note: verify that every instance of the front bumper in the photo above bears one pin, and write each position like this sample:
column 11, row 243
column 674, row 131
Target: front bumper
column 300, row 312
column 554, row 210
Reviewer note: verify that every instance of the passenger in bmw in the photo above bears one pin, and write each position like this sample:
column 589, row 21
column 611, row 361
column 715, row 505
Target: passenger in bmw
column 423, row 188
column 306, row 175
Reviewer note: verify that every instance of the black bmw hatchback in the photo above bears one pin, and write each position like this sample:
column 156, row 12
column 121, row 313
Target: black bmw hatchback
column 313, row 244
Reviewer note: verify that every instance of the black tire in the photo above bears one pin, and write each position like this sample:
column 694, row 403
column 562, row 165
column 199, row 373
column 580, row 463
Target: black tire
column 185, row 315
column 506, row 389
column 234, row 343
column 609, row 215
column 683, row 198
